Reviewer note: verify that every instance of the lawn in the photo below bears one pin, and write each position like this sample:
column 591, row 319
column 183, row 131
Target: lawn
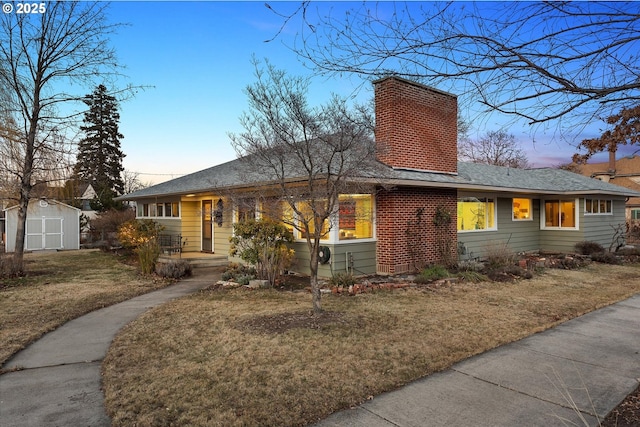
column 59, row 287
column 240, row 357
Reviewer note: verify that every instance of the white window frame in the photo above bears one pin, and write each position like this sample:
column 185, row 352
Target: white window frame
column 495, row 211
column 530, row 209
column 333, row 237
column 543, row 214
column 140, row 208
column 597, row 203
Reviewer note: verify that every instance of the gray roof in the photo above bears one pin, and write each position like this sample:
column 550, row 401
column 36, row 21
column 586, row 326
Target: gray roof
column 470, row 176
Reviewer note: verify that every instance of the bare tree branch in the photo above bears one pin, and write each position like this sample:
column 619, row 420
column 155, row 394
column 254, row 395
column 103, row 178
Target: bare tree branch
column 544, row 62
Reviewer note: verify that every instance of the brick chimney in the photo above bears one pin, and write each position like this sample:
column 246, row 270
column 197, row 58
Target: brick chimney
column 416, row 126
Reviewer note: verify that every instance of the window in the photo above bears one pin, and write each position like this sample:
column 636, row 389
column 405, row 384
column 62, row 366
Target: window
column 522, row 210
column 355, row 216
column 635, row 213
column 475, row 214
column 598, row 206
column 158, row 210
column 560, row 214
column 307, row 214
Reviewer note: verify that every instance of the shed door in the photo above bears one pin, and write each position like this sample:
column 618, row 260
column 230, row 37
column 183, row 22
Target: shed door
column 43, row 233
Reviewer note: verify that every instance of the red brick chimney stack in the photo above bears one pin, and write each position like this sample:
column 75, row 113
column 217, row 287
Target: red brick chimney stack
column 416, row 126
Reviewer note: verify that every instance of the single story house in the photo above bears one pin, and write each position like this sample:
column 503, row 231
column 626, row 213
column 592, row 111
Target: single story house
column 527, row 210
column 50, row 225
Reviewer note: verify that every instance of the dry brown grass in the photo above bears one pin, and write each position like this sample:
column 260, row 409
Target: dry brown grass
column 59, row 287
column 205, row 361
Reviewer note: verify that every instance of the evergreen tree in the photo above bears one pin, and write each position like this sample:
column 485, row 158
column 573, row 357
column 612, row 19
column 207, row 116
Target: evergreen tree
column 99, row 159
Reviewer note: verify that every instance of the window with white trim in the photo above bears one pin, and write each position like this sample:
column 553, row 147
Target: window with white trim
column 158, row 210
column 560, row 214
column 476, row 214
column 521, row 210
column 598, row 206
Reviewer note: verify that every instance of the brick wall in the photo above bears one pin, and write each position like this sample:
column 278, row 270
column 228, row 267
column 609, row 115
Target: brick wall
column 416, row 126
column 400, row 251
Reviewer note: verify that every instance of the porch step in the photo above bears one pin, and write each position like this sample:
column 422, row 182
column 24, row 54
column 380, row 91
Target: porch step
column 198, row 260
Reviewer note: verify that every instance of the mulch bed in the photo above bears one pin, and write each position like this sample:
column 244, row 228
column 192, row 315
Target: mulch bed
column 627, row 414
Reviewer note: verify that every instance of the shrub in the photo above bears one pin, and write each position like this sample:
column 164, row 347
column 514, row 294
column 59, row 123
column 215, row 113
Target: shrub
column 470, row 265
column 263, row 243
column 432, row 273
column 342, row 279
column 237, row 271
column 142, row 236
column 498, row 255
column 588, row 248
column 106, row 224
column 174, row 269
column 605, row 258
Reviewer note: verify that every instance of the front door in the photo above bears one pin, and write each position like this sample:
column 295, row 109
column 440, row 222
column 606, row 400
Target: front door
column 207, row 226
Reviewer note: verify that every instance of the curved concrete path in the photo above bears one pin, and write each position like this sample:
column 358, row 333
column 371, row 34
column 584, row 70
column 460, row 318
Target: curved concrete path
column 568, row 375
column 60, row 381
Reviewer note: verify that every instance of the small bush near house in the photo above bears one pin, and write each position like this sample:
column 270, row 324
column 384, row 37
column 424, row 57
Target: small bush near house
column 263, row 243
column 498, row 255
column 342, row 279
column 606, row 258
column 432, row 273
column 588, row 248
column 174, row 269
column 104, row 227
column 470, row 265
column 142, row 236
column 237, row 272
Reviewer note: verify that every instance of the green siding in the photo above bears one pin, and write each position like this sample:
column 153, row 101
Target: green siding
column 520, row 236
column 601, row 228
column 363, row 253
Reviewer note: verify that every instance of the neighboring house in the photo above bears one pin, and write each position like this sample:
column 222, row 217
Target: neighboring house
column 624, row 172
column 50, row 225
column 528, row 210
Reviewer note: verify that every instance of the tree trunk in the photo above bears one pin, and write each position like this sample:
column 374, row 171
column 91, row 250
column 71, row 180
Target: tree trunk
column 25, row 188
column 18, row 255
column 315, row 288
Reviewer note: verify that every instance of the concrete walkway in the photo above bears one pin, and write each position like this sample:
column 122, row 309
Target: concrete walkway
column 568, row 375
column 60, row 384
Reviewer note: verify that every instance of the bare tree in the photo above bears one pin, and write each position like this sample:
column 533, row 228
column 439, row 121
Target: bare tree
column 540, row 61
column 64, row 46
column 494, row 148
column 304, row 157
column 132, row 181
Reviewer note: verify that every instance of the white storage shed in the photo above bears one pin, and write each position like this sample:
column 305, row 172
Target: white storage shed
column 50, row 225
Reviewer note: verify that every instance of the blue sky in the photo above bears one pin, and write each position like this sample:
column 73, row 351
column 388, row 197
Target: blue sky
column 195, row 58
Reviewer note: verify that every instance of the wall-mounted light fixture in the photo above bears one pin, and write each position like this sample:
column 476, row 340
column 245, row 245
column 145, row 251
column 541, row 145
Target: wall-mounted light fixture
column 218, row 214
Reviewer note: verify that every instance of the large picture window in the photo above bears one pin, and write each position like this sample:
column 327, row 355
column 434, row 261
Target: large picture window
column 560, row 214
column 476, row 214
